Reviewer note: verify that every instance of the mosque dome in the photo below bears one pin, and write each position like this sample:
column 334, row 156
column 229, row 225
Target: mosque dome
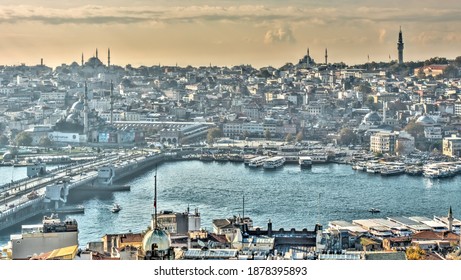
column 94, row 62
column 372, row 118
column 78, row 106
column 425, row 120
column 159, row 237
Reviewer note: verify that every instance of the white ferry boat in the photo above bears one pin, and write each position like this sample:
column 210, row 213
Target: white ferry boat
column 319, row 158
column 257, row 161
column 274, row 162
column 305, row 162
column 392, row 170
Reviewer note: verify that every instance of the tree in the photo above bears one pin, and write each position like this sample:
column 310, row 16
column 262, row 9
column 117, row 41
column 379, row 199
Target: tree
column 347, row 136
column 415, row 253
column 45, row 142
column 415, row 129
column 213, row 133
column 289, row 138
column 267, row 134
column 23, row 139
column 450, row 72
column 4, row 140
column 300, row 136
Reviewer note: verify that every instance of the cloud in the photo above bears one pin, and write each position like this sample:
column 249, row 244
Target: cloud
column 279, row 35
column 93, row 14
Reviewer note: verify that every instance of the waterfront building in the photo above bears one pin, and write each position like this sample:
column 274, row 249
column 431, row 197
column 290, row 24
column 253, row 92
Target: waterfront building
column 383, row 142
column 451, row 146
column 51, row 234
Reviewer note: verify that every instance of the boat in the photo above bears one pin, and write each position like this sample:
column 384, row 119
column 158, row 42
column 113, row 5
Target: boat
column 115, row 208
column 374, row 210
column 273, row 162
column 305, row 162
column 392, row 170
column 257, row 161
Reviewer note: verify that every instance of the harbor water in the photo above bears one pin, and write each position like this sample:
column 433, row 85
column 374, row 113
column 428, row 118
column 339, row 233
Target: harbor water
column 290, row 197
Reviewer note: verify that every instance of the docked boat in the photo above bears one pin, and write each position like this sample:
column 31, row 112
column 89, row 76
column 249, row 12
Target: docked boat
column 115, row 208
column 319, row 158
column 273, row 162
column 392, row 170
column 305, row 162
column 257, row 161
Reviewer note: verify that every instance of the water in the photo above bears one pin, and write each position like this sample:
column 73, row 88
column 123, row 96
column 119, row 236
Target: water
column 290, row 197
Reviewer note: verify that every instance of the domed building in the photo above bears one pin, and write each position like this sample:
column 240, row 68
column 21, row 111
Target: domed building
column 371, row 119
column 425, row 120
column 156, row 245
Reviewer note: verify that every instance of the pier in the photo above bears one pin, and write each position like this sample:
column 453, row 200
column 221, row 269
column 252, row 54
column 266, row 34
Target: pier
column 29, row 197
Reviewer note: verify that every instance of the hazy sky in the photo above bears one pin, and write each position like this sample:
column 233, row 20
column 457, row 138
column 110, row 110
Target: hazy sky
column 226, row 32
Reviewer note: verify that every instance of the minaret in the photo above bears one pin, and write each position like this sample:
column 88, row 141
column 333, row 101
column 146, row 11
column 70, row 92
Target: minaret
column 326, row 56
column 384, row 112
column 308, row 58
column 111, row 102
column 108, row 57
column 400, row 47
column 82, row 59
column 96, row 52
column 85, row 112
column 450, row 219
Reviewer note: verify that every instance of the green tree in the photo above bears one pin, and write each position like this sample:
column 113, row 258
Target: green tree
column 450, row 72
column 213, row 133
column 4, row 140
column 347, row 136
column 364, row 88
column 267, row 134
column 45, row 142
column 23, row 139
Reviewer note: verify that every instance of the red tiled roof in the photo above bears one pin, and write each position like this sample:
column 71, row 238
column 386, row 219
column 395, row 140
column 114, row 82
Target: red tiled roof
column 431, row 235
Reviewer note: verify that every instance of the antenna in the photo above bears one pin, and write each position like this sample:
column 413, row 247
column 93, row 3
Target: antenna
column 155, row 199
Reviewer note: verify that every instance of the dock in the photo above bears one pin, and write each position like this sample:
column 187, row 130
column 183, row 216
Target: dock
column 56, row 186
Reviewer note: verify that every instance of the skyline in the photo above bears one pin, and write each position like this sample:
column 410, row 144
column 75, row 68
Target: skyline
column 226, row 33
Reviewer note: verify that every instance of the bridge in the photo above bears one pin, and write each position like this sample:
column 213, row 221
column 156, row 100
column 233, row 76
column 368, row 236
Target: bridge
column 28, row 197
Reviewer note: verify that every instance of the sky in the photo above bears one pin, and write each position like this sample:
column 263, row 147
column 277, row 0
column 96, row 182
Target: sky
column 226, row 32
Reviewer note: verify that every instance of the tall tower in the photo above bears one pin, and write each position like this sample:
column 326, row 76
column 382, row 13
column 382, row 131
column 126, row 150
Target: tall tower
column 96, row 52
column 108, row 57
column 308, row 58
column 82, row 59
column 326, row 56
column 450, row 219
column 85, row 112
column 400, row 47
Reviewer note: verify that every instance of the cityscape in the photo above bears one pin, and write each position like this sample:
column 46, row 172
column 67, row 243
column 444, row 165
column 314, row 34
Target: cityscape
column 107, row 162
